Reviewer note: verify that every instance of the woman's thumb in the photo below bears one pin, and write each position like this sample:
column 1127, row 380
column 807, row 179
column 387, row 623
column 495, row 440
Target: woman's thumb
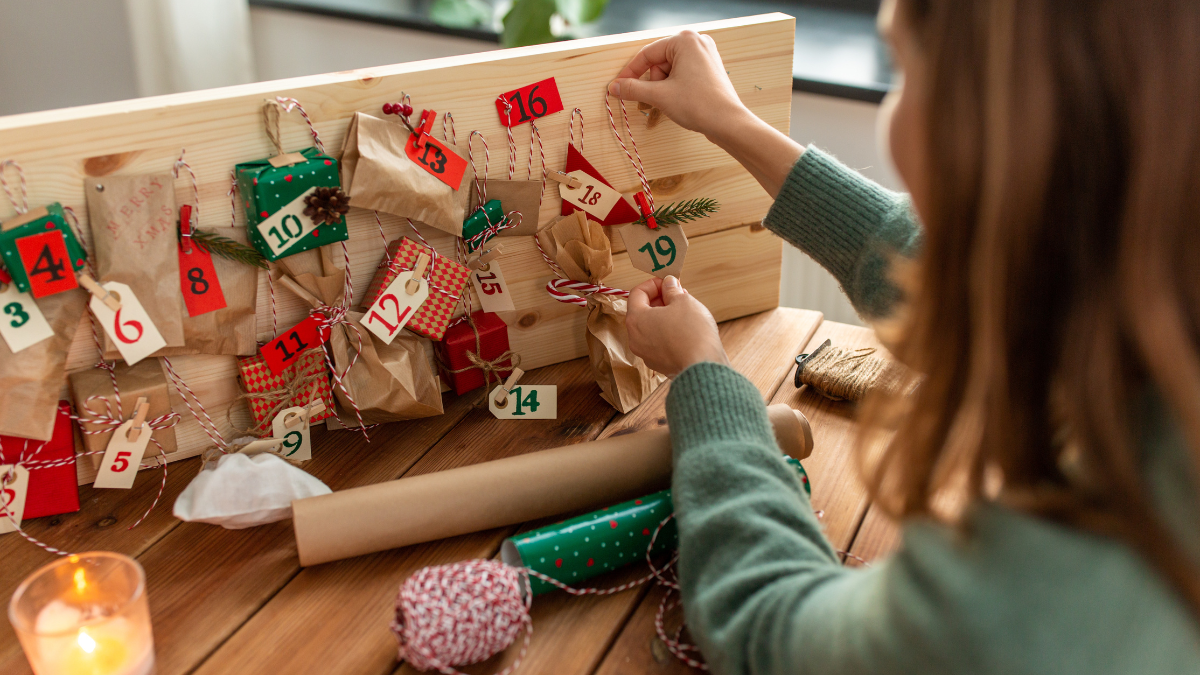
column 671, row 289
column 632, row 89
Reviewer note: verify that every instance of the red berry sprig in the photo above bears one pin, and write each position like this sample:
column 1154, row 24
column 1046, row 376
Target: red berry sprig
column 403, row 109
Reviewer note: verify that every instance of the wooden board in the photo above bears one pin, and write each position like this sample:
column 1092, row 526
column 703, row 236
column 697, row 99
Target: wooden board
column 735, row 271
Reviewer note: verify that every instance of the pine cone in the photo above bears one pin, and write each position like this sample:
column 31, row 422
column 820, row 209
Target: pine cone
column 327, row 205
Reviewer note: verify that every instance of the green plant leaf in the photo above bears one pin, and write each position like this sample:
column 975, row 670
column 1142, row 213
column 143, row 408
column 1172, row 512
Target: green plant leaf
column 528, row 23
column 581, row 11
column 460, row 13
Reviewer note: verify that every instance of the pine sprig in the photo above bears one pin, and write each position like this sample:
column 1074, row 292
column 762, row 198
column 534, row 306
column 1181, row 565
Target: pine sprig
column 684, row 212
column 224, row 247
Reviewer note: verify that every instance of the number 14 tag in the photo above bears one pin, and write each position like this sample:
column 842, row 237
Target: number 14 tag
column 526, row 402
column 22, row 323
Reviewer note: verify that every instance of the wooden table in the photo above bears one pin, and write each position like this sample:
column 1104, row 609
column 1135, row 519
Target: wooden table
column 227, row 601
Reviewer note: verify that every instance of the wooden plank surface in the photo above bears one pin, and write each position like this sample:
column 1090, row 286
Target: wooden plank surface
column 878, row 536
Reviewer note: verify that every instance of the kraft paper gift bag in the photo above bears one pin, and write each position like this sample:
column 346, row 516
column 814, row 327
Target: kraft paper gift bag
column 134, row 224
column 583, row 250
column 379, row 175
column 32, row 380
column 521, row 196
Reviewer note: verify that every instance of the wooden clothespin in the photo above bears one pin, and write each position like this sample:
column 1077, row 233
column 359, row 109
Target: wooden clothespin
column 142, row 408
column 571, row 182
column 27, row 217
column 481, row 260
column 185, row 227
column 426, row 125
column 647, row 212
column 315, row 407
column 111, row 301
column 419, row 271
column 260, row 446
column 513, row 378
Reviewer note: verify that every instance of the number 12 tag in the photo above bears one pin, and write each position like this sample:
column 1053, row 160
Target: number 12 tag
column 593, row 196
column 395, row 307
column 296, row 445
column 659, row 251
column 199, row 283
column 489, row 285
column 130, row 326
column 119, row 467
column 22, row 323
column 12, row 496
column 285, row 349
column 526, row 402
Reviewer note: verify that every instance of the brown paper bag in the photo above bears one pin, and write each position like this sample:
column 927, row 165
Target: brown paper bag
column 584, row 252
column 133, row 223
column 522, row 196
column 229, row 331
column 379, row 175
column 32, row 380
column 147, row 378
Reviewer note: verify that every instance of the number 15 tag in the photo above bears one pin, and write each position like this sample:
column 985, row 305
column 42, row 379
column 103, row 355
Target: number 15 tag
column 395, row 307
column 593, row 196
column 525, row 402
column 130, row 326
column 492, row 290
column 21, row 322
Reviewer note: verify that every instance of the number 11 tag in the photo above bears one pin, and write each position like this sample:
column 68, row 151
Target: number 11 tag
column 395, row 307
column 21, row 323
column 130, row 326
column 525, row 402
column 593, row 196
column 12, row 496
column 119, row 467
column 659, row 251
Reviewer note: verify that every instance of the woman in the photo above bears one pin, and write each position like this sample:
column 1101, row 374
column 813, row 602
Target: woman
column 1051, row 304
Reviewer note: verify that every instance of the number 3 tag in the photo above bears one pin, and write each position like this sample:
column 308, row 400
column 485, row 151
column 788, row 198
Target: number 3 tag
column 395, row 307
column 12, row 496
column 593, row 196
column 296, row 445
column 129, row 327
column 526, row 402
column 119, row 467
column 21, row 322
column 659, row 251
column 489, row 285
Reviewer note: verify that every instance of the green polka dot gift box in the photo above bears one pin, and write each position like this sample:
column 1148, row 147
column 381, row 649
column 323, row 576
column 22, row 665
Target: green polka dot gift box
column 274, row 200
column 53, row 264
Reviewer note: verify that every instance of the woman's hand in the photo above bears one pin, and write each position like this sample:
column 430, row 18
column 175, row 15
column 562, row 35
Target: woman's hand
column 670, row 329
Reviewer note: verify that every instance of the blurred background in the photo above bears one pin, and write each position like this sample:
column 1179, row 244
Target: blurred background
column 61, row 53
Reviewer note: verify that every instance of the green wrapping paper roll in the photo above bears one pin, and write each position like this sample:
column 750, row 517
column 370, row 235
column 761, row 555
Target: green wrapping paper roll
column 578, row 549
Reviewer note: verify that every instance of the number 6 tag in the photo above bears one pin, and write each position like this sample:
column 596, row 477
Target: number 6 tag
column 129, row 327
column 12, row 496
column 395, row 307
column 593, row 196
column 21, row 322
column 525, row 402
column 122, row 458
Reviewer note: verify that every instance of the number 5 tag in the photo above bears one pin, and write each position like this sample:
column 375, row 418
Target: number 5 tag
column 489, row 285
column 395, row 307
column 119, row 467
column 659, row 251
column 526, row 402
column 593, row 196
column 12, row 496
column 21, row 322
column 129, row 327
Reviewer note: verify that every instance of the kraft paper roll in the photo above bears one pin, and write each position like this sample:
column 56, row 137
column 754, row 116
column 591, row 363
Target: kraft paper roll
column 502, row 492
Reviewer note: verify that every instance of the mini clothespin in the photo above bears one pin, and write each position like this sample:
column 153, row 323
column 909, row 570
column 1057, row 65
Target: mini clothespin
column 261, row 445
column 647, row 212
column 513, row 378
column 315, row 407
column 418, row 272
column 99, row 291
column 480, row 261
column 426, row 125
column 142, row 408
column 571, row 182
column 27, row 217
column 185, row 227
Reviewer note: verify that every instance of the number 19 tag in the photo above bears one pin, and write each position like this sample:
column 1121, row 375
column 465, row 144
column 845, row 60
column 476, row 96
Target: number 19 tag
column 395, row 307
column 12, row 496
column 525, row 402
column 489, row 285
column 130, row 326
column 296, row 445
column 119, row 467
column 659, row 251
column 21, row 322
column 593, row 196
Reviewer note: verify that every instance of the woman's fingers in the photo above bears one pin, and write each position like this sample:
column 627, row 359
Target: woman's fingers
column 653, row 54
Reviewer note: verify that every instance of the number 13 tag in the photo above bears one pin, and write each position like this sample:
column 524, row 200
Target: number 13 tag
column 21, row 323
column 395, row 307
column 525, row 402
column 129, row 327
column 119, row 467
column 12, row 496
column 593, row 196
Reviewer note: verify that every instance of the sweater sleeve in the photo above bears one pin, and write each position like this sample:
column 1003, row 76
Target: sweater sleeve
column 850, row 225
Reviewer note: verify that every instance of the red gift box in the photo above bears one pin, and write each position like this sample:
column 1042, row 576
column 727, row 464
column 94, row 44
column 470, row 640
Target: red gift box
column 258, row 378
column 446, row 281
column 493, row 342
column 52, row 489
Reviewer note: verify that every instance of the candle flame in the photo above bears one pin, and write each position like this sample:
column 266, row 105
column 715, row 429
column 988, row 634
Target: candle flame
column 80, row 582
column 86, row 642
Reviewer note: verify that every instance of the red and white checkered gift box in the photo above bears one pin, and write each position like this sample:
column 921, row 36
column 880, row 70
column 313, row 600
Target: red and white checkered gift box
column 258, row 378
column 446, row 281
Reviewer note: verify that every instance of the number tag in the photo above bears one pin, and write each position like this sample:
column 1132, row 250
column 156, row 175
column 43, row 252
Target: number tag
column 199, row 283
column 441, row 162
column 296, row 445
column 129, row 327
column 489, row 285
column 526, row 402
column 21, row 322
column 285, row 349
column 119, row 467
column 593, row 196
column 47, row 263
column 659, row 251
column 395, row 307
column 287, row 226
column 530, row 102
column 12, row 496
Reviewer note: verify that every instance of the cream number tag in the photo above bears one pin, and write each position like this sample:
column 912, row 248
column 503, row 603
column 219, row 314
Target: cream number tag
column 525, row 402
column 659, row 251
column 395, row 307
column 489, row 285
column 129, row 327
column 122, row 458
column 12, row 496
column 296, row 445
column 288, row 225
column 21, row 322
column 592, row 196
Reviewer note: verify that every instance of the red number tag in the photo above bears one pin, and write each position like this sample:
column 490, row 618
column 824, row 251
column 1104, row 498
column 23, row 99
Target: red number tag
column 46, row 263
column 283, row 350
column 530, row 102
column 198, row 281
column 437, row 159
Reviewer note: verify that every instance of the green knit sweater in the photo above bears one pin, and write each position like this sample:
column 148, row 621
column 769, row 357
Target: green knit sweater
column 763, row 589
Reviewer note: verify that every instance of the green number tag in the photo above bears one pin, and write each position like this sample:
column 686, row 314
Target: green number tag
column 22, row 324
column 659, row 251
column 295, row 436
column 526, row 402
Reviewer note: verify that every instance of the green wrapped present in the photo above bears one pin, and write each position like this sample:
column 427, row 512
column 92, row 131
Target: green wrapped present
column 474, row 227
column 52, row 262
column 274, row 199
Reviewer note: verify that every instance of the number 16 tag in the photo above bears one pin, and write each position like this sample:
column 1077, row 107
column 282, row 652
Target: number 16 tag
column 395, row 307
column 525, row 402
column 12, row 496
column 119, row 467
column 130, row 326
column 593, row 196
column 21, row 322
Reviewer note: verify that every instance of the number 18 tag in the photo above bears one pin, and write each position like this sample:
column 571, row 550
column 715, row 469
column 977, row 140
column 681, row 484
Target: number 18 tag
column 489, row 285
column 22, row 323
column 12, row 496
column 119, row 467
column 395, row 307
column 659, row 251
column 525, row 402
column 593, row 196
column 130, row 326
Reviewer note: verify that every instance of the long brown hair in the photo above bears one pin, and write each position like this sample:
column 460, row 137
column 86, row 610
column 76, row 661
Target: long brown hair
column 1059, row 279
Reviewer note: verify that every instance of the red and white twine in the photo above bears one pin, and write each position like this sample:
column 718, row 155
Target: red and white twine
column 557, row 288
column 22, row 190
column 288, row 104
column 637, row 163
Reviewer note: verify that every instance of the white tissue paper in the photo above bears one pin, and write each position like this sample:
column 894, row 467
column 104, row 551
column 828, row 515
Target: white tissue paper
column 243, row 491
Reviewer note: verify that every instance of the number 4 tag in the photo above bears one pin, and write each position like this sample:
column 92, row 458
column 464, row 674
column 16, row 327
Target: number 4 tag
column 22, row 323
column 659, row 251
column 526, row 402
column 12, row 496
column 130, row 326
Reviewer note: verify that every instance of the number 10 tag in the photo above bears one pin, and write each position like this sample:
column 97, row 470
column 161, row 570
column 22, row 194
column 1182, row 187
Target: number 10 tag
column 21, row 323
column 525, row 402
column 395, row 307
column 130, row 326
column 659, row 251
column 12, row 496
column 593, row 196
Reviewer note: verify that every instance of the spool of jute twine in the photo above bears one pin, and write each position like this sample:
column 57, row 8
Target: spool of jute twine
column 851, row 374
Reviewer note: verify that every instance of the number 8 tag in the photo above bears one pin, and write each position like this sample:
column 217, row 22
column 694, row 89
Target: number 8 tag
column 395, row 307
column 122, row 458
column 198, row 282
column 130, row 327
column 21, row 322
column 296, row 445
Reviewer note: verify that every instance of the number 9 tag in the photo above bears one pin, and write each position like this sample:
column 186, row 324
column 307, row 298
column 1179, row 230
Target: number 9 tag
column 21, row 322
column 659, row 251
column 130, row 327
column 525, row 402
column 122, row 458
column 593, row 196
column 395, row 307
column 292, row 427
column 12, row 496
